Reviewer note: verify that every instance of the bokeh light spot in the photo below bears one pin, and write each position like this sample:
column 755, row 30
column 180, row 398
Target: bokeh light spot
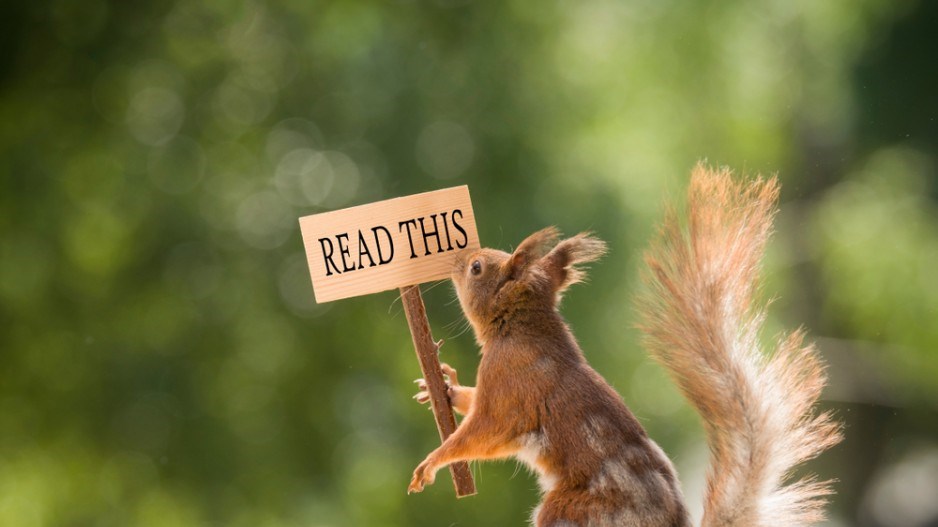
column 445, row 150
column 264, row 220
column 155, row 115
column 178, row 166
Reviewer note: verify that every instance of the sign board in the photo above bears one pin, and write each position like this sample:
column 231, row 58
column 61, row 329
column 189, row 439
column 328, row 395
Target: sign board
column 398, row 243
column 388, row 244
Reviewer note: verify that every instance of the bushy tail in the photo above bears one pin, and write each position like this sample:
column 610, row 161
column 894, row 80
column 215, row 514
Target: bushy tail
column 702, row 324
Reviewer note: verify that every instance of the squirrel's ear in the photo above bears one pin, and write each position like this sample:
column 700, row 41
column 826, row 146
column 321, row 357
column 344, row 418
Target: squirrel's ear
column 532, row 248
column 561, row 263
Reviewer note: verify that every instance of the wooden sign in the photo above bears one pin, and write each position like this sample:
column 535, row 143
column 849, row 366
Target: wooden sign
column 398, row 243
column 388, row 244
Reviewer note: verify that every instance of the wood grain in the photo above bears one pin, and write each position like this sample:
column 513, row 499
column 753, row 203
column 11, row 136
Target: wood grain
column 410, row 263
column 427, row 351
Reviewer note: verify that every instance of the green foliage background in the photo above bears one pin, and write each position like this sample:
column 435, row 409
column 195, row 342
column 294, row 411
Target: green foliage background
column 162, row 362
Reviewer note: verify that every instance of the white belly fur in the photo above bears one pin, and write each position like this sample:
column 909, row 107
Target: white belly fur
column 531, row 446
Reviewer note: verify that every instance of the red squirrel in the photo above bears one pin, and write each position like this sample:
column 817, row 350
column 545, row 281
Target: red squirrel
column 538, row 400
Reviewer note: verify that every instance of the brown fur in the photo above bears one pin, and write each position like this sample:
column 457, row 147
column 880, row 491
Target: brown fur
column 538, row 400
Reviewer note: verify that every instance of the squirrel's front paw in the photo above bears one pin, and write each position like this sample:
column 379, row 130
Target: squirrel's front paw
column 423, row 475
column 449, row 375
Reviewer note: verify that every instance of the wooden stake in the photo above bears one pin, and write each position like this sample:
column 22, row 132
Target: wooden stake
column 427, row 351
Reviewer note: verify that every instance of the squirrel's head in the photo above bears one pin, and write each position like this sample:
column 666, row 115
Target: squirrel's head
column 493, row 285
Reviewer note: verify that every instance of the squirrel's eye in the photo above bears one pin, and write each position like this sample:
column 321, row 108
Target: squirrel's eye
column 476, row 267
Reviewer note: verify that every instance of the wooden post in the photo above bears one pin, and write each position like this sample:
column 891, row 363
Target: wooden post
column 427, row 351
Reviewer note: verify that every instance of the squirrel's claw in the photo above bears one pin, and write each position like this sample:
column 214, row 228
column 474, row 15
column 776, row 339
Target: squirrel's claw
column 415, row 486
column 450, row 372
column 422, row 477
column 449, row 375
column 422, row 397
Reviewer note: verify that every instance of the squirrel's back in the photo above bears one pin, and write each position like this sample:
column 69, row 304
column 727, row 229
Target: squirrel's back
column 702, row 323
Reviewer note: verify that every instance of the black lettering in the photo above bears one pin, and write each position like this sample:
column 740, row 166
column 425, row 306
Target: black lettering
column 449, row 244
column 381, row 260
column 343, row 248
column 465, row 237
column 363, row 251
column 410, row 239
column 434, row 233
column 328, row 257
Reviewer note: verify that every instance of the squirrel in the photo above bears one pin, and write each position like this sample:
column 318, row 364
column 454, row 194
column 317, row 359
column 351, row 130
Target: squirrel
column 539, row 401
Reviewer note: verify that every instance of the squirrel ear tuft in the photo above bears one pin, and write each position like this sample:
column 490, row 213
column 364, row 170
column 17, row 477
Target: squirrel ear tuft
column 531, row 249
column 561, row 263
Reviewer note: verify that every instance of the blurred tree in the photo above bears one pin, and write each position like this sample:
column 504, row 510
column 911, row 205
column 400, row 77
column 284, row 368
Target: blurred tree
column 163, row 362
